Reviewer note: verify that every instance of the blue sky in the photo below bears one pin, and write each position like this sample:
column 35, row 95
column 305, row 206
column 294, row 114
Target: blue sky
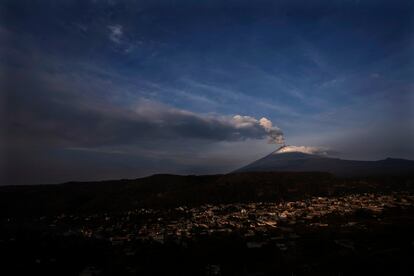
column 113, row 89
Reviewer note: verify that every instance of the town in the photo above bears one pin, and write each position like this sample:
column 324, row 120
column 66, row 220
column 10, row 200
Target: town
column 275, row 220
column 284, row 228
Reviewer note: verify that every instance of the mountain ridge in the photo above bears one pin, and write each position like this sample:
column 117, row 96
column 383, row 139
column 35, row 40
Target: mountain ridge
column 299, row 161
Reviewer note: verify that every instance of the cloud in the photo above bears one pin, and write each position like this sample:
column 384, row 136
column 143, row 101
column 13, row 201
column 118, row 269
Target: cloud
column 241, row 122
column 115, row 33
column 66, row 110
column 229, row 95
column 63, row 123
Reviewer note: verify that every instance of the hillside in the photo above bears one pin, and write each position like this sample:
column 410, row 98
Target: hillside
column 164, row 191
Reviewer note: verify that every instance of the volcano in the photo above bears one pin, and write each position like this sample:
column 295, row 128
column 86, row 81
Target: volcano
column 312, row 159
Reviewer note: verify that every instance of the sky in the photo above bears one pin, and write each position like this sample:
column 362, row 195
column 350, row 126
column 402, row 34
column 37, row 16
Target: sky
column 109, row 89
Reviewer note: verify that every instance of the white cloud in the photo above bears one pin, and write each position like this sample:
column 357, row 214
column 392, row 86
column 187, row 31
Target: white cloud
column 266, row 123
column 115, row 33
column 244, row 121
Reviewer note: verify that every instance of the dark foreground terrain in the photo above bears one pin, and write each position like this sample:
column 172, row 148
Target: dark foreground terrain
column 240, row 224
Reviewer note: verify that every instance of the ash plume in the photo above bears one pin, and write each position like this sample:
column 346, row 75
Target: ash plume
column 274, row 134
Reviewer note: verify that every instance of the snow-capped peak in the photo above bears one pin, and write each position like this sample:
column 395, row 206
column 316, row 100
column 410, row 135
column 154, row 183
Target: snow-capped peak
column 301, row 149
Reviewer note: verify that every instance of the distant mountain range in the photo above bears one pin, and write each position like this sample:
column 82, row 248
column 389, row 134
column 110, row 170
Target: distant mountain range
column 304, row 159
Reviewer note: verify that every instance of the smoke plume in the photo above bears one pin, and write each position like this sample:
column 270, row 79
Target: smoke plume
column 274, row 133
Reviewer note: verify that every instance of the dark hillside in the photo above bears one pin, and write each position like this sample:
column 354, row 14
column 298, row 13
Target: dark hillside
column 163, row 191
